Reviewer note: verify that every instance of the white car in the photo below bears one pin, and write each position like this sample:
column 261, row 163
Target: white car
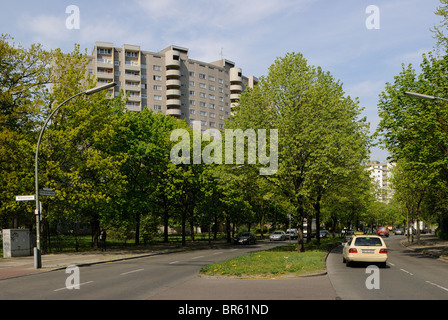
column 277, row 235
column 292, row 233
column 365, row 248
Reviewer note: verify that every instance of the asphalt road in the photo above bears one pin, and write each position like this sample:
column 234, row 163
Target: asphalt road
column 407, row 276
column 134, row 279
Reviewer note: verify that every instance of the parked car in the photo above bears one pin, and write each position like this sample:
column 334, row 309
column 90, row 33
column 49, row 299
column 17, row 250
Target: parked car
column 245, row 238
column 382, row 231
column 399, row 231
column 293, row 233
column 365, row 248
column 277, row 235
column 323, row 233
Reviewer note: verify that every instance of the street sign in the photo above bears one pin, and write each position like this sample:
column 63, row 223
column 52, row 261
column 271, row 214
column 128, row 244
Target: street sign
column 25, row 198
column 47, row 192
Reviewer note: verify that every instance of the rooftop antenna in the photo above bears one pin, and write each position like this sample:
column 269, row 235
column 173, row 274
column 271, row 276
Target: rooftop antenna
column 222, row 53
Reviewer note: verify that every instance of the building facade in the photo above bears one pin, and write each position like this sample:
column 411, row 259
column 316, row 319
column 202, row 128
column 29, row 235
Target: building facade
column 170, row 82
column 381, row 176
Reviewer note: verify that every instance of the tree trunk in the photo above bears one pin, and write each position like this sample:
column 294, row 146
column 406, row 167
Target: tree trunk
column 317, row 209
column 300, row 244
column 137, row 229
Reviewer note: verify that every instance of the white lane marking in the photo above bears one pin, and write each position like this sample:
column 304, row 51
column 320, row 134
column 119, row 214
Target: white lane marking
column 124, row 273
column 197, row 257
column 217, row 252
column 407, row 272
column 438, row 286
column 391, row 264
column 65, row 288
column 173, row 262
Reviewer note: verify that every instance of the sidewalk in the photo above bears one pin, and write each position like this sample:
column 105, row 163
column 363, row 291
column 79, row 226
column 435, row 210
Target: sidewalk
column 430, row 245
column 21, row 266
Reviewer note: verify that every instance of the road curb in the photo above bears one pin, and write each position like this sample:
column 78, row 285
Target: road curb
column 405, row 243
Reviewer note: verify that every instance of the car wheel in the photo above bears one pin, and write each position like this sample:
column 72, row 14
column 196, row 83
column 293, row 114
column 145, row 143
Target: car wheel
column 343, row 260
column 347, row 263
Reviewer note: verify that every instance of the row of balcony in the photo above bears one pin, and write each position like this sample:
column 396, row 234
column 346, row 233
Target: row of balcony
column 236, row 86
column 173, row 84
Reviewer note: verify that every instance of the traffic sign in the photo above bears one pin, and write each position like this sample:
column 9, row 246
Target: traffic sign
column 25, row 198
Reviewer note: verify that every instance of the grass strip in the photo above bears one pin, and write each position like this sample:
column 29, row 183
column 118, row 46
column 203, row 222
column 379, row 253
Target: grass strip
column 279, row 261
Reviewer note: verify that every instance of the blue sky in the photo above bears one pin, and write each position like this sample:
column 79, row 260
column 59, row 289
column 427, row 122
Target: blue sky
column 252, row 33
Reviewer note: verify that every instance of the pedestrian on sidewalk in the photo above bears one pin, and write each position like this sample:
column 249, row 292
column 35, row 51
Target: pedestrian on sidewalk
column 102, row 239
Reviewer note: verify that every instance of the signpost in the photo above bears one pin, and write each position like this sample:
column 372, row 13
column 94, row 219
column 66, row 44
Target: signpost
column 44, row 192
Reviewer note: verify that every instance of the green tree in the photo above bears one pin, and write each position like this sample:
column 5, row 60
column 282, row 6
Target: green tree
column 415, row 131
column 144, row 138
column 320, row 135
column 24, row 75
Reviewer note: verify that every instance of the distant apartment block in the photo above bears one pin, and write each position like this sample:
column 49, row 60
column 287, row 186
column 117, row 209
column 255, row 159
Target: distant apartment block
column 380, row 173
column 170, row 82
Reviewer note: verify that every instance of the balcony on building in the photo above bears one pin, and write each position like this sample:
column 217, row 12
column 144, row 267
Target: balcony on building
column 173, row 93
column 173, row 83
column 173, row 103
column 172, row 59
column 176, row 112
column 235, row 75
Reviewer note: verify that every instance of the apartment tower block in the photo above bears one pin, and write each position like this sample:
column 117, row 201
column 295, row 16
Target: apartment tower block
column 170, row 82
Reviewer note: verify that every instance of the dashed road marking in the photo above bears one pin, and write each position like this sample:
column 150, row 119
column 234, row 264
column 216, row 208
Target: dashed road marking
column 411, row 274
column 65, row 288
column 124, row 273
column 438, row 286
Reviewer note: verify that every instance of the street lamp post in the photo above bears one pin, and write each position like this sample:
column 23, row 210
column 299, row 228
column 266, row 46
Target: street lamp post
column 37, row 253
column 423, row 96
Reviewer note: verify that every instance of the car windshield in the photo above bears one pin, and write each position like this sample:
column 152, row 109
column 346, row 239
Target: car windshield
column 277, row 232
column 368, row 241
column 244, row 234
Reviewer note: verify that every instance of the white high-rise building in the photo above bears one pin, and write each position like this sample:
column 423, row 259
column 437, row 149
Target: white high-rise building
column 380, row 173
column 170, row 82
